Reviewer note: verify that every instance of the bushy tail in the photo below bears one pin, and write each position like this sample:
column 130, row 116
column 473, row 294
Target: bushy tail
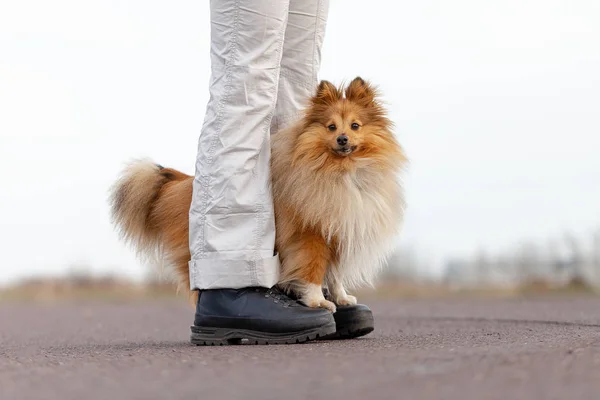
column 150, row 206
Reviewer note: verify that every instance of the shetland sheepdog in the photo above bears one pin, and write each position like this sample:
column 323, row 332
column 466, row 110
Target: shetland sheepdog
column 337, row 197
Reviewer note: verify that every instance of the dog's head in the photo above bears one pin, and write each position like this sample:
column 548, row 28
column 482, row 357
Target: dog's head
column 346, row 125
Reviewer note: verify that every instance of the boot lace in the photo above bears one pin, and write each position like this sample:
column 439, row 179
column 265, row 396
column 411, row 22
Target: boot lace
column 279, row 296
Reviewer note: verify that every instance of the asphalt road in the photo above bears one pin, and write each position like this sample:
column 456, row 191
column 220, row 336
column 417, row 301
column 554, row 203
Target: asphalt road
column 544, row 348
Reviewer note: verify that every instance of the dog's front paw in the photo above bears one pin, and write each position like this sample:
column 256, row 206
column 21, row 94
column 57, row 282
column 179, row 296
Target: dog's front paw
column 312, row 296
column 347, row 300
column 320, row 303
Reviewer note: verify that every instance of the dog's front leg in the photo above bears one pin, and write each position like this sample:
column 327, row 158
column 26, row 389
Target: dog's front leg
column 336, row 289
column 303, row 269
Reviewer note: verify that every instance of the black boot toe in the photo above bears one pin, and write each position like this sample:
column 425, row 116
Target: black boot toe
column 258, row 315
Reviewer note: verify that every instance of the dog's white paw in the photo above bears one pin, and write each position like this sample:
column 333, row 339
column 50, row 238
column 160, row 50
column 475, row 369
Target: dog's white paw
column 320, row 303
column 313, row 297
column 347, row 300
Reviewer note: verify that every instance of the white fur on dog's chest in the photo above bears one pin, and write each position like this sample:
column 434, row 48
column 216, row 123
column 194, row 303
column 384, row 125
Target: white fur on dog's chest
column 368, row 214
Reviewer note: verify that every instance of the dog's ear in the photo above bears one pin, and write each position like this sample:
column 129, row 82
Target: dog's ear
column 327, row 93
column 361, row 92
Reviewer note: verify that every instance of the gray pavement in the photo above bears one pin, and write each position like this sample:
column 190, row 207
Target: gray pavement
column 542, row 348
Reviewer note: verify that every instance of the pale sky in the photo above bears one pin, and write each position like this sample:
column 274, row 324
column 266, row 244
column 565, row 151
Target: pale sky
column 497, row 104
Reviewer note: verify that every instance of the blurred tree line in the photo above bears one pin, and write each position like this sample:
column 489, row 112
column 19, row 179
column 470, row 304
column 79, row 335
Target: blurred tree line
column 561, row 261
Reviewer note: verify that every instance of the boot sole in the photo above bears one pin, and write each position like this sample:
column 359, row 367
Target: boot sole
column 208, row 336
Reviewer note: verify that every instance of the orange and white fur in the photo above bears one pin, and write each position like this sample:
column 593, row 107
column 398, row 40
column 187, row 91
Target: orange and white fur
column 337, row 208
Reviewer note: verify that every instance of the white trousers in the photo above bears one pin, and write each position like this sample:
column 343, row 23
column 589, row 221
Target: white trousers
column 265, row 56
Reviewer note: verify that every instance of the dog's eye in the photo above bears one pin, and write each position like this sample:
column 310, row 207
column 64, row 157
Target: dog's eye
column 332, row 127
column 354, row 126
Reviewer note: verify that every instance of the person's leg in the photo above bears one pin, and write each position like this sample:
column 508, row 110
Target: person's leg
column 232, row 230
column 298, row 80
column 301, row 59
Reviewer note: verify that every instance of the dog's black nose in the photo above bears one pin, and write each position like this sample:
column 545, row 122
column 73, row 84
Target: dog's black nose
column 342, row 140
